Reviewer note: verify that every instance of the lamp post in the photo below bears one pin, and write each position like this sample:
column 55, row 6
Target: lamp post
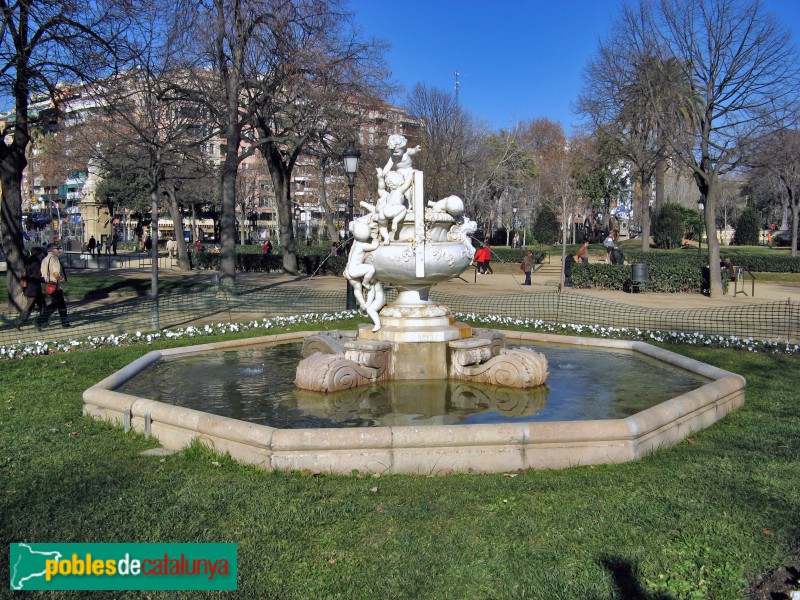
column 350, row 157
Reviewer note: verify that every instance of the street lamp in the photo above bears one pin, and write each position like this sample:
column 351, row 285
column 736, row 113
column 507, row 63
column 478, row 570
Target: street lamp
column 350, row 157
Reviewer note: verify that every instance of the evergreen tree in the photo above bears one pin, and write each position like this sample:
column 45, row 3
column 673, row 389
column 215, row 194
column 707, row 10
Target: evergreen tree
column 546, row 227
column 668, row 227
column 747, row 228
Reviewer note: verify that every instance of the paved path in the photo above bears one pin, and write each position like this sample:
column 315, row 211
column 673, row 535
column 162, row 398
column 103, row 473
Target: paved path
column 121, row 312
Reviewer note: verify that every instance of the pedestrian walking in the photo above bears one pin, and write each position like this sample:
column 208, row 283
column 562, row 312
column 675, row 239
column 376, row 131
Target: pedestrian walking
column 583, row 253
column 487, row 258
column 31, row 282
column 55, row 278
column 480, row 260
column 92, row 245
column 527, row 266
column 609, row 244
column 569, row 263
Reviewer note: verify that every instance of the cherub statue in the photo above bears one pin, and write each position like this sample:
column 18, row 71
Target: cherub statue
column 391, row 208
column 452, row 205
column 376, row 300
column 400, row 161
column 357, row 272
column 400, row 155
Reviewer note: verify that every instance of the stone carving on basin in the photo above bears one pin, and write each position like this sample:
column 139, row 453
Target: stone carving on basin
column 405, row 242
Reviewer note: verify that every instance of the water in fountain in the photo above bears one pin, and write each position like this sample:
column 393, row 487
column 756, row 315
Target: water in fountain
column 254, row 384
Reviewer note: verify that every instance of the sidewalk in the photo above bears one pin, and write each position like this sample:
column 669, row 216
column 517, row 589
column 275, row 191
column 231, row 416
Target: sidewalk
column 265, row 294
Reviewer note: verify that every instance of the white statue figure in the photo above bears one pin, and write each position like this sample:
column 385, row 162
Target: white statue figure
column 463, row 233
column 391, row 209
column 452, row 205
column 357, row 272
column 376, row 300
column 399, row 160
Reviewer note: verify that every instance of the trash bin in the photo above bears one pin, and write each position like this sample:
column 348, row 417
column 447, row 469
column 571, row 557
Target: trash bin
column 639, row 277
column 705, row 285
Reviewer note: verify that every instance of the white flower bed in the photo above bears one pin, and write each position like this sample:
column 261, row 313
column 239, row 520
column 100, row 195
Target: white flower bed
column 23, row 350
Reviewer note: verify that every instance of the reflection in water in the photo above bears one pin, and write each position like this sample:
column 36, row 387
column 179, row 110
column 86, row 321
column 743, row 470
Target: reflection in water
column 256, row 384
column 422, row 403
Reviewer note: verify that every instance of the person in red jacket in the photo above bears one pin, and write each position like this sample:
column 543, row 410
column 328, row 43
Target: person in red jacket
column 482, row 257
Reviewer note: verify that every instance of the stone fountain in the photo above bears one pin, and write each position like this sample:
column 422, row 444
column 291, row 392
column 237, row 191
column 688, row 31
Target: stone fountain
column 402, row 240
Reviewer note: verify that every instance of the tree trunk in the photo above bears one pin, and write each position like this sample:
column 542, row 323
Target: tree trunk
column 177, row 221
column 645, row 216
column 283, row 202
column 11, row 180
column 795, row 209
column 563, row 244
column 154, row 188
column 330, row 223
column 661, row 169
column 12, row 164
column 227, row 220
column 712, row 241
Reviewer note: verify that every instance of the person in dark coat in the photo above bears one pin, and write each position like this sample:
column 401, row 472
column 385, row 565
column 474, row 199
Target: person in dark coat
column 569, row 262
column 32, row 278
column 92, row 245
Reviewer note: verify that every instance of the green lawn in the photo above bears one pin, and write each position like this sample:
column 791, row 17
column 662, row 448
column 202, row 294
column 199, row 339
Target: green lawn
column 695, row 521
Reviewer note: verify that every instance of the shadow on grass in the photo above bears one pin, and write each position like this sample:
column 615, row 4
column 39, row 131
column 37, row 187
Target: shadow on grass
column 627, row 586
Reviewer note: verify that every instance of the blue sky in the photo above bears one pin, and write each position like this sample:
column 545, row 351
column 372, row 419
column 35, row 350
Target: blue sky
column 517, row 59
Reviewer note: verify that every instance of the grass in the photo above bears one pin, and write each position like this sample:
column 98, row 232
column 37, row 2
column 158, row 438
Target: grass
column 695, row 521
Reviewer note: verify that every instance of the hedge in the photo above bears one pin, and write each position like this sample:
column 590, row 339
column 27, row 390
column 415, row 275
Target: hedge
column 317, row 260
column 514, row 255
column 661, row 278
column 309, row 263
column 753, row 263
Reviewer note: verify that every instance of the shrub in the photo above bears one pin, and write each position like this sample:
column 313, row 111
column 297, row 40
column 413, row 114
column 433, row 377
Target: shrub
column 668, row 226
column 747, row 228
column 660, row 278
column 546, row 227
column 751, row 262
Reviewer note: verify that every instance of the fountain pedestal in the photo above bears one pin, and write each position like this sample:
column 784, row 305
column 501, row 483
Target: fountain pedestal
column 418, row 334
column 411, row 245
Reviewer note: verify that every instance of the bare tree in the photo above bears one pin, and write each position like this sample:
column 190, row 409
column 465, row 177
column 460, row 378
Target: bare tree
column 623, row 98
column 236, row 58
column 284, row 78
column 322, row 82
column 778, row 161
column 445, row 133
column 743, row 70
column 44, row 43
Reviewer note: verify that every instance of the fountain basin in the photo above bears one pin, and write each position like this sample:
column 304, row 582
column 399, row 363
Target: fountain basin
column 434, row 449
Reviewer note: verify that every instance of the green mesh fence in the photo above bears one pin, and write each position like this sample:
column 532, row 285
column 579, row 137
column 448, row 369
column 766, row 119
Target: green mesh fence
column 205, row 303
